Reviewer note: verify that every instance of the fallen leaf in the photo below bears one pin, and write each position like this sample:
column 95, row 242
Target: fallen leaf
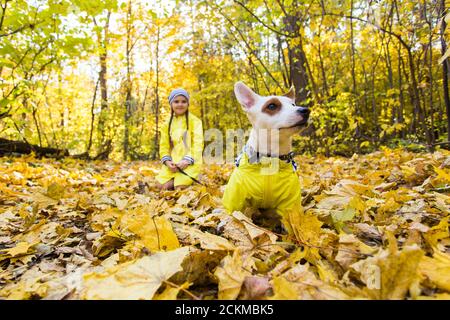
column 156, row 233
column 437, row 269
column 206, row 240
column 231, row 274
column 138, row 279
column 19, row 249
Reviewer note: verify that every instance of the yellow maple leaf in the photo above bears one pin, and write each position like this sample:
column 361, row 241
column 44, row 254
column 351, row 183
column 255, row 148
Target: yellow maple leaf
column 56, row 191
column 408, row 171
column 156, row 233
column 7, row 191
column 20, row 248
column 437, row 269
column 283, row 289
column 306, row 228
column 390, row 275
column 43, row 201
column 138, row 279
column 438, row 232
column 442, row 174
column 25, row 289
column 231, row 274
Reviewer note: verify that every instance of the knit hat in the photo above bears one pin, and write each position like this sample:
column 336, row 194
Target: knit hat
column 176, row 93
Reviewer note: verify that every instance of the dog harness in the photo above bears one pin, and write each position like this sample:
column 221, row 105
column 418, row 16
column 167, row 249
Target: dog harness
column 255, row 157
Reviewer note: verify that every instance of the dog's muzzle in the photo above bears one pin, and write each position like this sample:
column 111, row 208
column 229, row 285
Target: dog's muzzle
column 304, row 112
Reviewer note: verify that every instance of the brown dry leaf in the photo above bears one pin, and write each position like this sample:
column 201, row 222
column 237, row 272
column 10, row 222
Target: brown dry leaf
column 310, row 287
column 351, row 249
column 206, row 240
column 235, row 231
column 255, row 288
column 186, row 198
column 288, row 263
column 107, row 244
column 253, row 230
column 121, row 203
column 199, row 266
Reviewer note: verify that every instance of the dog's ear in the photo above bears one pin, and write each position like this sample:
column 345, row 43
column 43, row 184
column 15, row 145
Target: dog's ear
column 246, row 97
column 291, row 94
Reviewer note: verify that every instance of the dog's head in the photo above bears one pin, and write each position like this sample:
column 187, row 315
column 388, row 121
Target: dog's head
column 272, row 112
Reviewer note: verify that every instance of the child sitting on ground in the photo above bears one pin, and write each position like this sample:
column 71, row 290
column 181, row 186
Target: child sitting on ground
column 181, row 144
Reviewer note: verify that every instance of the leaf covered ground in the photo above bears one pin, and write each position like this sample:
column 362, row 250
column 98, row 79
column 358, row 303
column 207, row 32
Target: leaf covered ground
column 372, row 227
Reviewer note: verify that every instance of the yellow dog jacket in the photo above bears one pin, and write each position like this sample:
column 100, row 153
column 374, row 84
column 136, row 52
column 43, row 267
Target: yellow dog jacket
column 270, row 183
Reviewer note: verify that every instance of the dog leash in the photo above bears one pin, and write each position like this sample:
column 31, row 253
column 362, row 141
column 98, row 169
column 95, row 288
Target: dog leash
column 186, row 174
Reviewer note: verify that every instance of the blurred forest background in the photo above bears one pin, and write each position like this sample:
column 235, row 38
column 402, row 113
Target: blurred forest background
column 92, row 77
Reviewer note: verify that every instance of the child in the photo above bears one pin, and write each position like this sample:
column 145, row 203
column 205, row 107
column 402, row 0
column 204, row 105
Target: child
column 181, row 144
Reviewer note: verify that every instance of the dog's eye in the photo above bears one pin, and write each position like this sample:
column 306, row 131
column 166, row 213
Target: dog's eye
column 272, row 107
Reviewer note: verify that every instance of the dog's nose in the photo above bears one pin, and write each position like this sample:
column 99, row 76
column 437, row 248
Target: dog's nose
column 303, row 111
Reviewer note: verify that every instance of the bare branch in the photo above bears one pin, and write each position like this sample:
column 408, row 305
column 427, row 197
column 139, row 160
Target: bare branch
column 400, row 39
column 24, row 27
column 263, row 23
column 249, row 47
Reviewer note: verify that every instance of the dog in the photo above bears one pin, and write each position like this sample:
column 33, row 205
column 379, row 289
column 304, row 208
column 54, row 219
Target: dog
column 265, row 174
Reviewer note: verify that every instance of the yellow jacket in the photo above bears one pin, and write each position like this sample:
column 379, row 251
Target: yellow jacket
column 269, row 184
column 186, row 145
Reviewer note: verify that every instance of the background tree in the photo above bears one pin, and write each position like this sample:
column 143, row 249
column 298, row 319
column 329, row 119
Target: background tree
column 93, row 77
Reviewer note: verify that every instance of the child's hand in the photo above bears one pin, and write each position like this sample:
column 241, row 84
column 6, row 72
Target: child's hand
column 172, row 167
column 183, row 164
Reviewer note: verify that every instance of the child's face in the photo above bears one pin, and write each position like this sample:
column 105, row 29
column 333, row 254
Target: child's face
column 180, row 105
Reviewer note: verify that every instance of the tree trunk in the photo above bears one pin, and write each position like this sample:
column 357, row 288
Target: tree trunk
column 128, row 98
column 415, row 95
column 282, row 62
column 91, row 130
column 445, row 68
column 10, row 146
column 156, row 154
column 402, row 133
column 355, row 106
column 102, row 42
column 297, row 63
column 431, row 137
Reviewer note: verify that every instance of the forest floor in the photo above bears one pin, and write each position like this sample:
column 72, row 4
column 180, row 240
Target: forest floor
column 373, row 226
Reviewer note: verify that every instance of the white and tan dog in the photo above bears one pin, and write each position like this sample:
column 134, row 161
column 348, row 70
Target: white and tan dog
column 265, row 177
